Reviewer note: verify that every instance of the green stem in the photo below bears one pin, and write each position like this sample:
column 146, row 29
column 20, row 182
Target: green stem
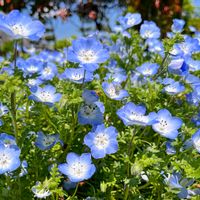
column 129, row 153
column 162, row 67
column 75, row 191
column 13, row 99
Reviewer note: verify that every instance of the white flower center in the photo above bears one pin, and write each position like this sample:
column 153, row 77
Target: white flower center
column 48, row 140
column 130, row 21
column 5, row 160
column 32, row 69
column 47, row 71
column 101, row 141
column 18, row 29
column 163, row 125
column 89, row 109
column 77, row 77
column 78, row 169
column 45, row 96
column 138, row 117
column 87, row 56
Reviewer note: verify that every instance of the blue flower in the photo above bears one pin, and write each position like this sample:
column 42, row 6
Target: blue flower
column 129, row 20
column 113, row 90
column 48, row 72
column 173, row 180
column 30, row 66
column 45, row 95
column 8, row 140
column 196, row 119
column 196, row 140
column 3, row 110
column 194, row 65
column 177, row 26
column 78, row 168
column 178, row 66
column 9, row 159
column 76, row 75
column 19, row 26
column 132, row 114
column 102, row 141
column 174, row 88
column 89, row 52
column 90, row 96
column 167, row 125
column 155, row 46
column 40, row 191
column 170, row 150
column 46, row 142
column 148, row 69
column 90, row 113
column 149, row 30
column 117, row 77
column 194, row 97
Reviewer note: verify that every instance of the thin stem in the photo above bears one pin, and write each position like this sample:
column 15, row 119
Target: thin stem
column 83, row 79
column 13, row 98
column 162, row 67
column 75, row 191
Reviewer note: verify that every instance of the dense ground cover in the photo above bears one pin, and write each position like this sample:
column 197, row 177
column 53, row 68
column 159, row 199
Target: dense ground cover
column 111, row 117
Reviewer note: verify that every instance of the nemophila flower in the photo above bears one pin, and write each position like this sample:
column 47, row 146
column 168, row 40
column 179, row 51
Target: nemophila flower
column 196, row 140
column 194, row 97
column 87, row 51
column 24, row 166
column 178, row 66
column 172, row 180
column 186, row 48
column 166, row 81
column 78, row 168
column 196, row 119
column 116, row 77
column 18, row 26
column 48, row 72
column 34, row 83
column 149, row 30
column 102, row 141
column 167, row 125
column 30, row 66
column 114, row 91
column 129, row 20
column 177, row 26
column 132, row 114
column 155, row 46
column 174, row 88
column 90, row 96
column 90, row 113
column 175, row 181
column 9, row 159
column 136, row 79
column 170, row 150
column 77, row 75
column 193, row 80
column 46, row 142
column 148, row 69
column 194, row 65
column 192, row 29
column 7, row 140
column 40, row 191
column 46, row 95
column 3, row 110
